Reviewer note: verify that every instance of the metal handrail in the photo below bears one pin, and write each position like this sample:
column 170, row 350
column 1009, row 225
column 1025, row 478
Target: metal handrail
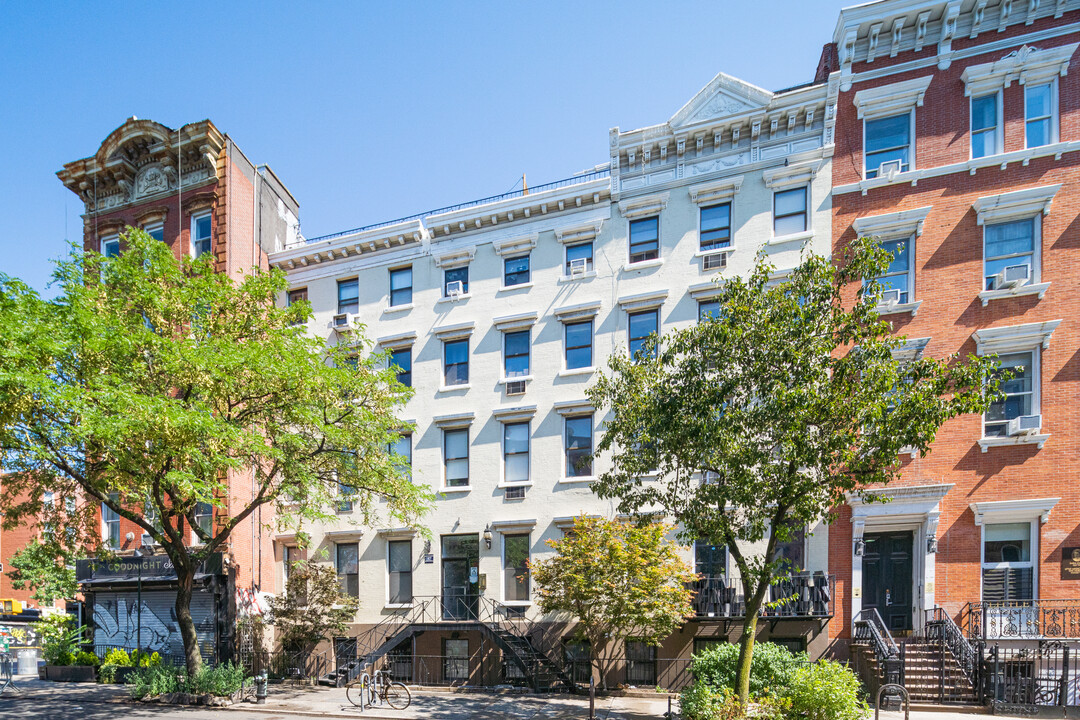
column 940, row 626
column 876, row 632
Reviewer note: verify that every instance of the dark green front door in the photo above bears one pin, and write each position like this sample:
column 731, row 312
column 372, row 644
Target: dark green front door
column 460, row 576
column 887, row 577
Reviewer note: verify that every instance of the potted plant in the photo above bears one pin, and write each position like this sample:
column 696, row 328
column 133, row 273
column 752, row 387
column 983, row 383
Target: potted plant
column 64, row 662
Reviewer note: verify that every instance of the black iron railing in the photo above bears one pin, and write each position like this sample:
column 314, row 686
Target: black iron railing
column 792, row 596
column 938, row 627
column 1032, row 619
column 1047, row 675
column 869, row 629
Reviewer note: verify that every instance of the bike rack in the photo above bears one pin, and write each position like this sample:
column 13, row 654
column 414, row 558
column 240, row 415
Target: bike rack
column 903, row 694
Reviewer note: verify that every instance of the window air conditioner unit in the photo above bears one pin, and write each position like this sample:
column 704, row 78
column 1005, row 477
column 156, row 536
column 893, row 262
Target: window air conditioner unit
column 1025, row 425
column 714, row 261
column 516, row 387
column 515, row 493
column 455, row 288
column 578, row 266
column 1012, row 276
column 147, row 540
column 890, row 168
column 342, row 321
column 890, row 298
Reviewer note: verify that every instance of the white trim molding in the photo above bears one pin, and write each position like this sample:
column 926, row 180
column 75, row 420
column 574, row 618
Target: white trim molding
column 1015, row 205
column 894, row 504
column 569, row 408
column 643, row 301
column 713, row 193
column 513, row 526
column 574, row 313
column 454, row 332
column 455, row 421
column 1028, row 65
column 401, row 533
column 792, row 175
column 343, row 536
column 1000, row 511
column 520, row 321
column 904, row 223
column 1014, row 338
column 911, row 349
column 893, row 99
column 578, row 233
column 644, row 206
column 704, row 291
column 515, row 245
column 566, row 522
column 398, row 340
column 514, row 414
column 455, row 258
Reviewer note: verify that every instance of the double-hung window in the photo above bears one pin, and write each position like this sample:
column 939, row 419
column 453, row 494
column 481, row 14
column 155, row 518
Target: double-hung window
column 200, row 234
column 156, row 231
column 516, row 452
column 898, row 275
column 110, row 246
column 348, row 296
column 986, row 135
column 516, row 271
column 888, row 140
column 456, row 457
column 1018, row 393
column 204, row 517
column 644, row 239
column 708, row 310
column 1006, row 245
column 578, row 446
column 402, row 447
column 516, row 354
column 111, row 519
column 399, row 564
column 1039, row 114
column 401, row 359
column 1007, row 567
column 456, row 279
column 297, row 295
column 348, row 568
column 516, row 568
column 640, row 663
column 456, row 362
column 640, row 326
column 715, row 232
column 345, row 495
column 789, row 211
column 400, row 286
column 579, row 258
column 579, row 341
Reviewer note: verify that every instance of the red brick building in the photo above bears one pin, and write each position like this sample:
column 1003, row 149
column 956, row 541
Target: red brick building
column 957, row 131
column 192, row 188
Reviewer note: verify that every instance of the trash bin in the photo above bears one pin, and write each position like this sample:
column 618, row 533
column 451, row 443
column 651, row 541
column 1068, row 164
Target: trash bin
column 28, row 661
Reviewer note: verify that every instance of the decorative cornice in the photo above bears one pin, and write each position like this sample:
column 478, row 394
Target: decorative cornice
column 457, row 257
column 644, row 205
column 791, row 175
column 578, row 232
column 574, row 313
column 520, row 321
column 398, row 340
column 402, row 533
column 1014, row 338
column 995, row 511
column 1015, row 205
column 718, row 191
column 574, row 407
column 514, row 414
column 911, row 349
column 504, row 526
column 705, row 291
column 456, row 420
column 453, row 332
column 904, row 223
column 891, row 99
column 515, row 245
column 643, row 301
column 1027, row 65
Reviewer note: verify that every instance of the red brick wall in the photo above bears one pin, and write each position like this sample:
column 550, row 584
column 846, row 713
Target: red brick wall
column 948, row 277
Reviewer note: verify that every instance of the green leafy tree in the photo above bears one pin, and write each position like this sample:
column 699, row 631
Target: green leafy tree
column 758, row 421
column 619, row 580
column 149, row 381
column 47, row 568
column 313, row 608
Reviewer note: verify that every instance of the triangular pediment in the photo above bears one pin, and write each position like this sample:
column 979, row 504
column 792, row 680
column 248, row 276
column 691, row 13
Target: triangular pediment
column 724, row 96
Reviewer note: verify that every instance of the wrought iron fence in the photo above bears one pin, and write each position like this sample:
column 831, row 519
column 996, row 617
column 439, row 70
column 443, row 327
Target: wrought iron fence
column 792, row 596
column 1032, row 676
column 1034, row 619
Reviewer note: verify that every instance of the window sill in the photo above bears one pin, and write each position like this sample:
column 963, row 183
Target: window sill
column 397, row 308
column 576, row 372
column 525, row 378
column 714, row 251
column 577, row 480
column 573, row 278
column 911, row 307
column 454, row 388
column 504, row 485
column 463, row 296
column 455, row 490
column 517, row 603
column 643, row 265
column 1038, row 289
column 511, row 288
column 988, row 442
column 794, row 237
column 397, row 606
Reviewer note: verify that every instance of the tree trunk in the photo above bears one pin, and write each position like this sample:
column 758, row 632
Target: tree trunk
column 185, row 578
column 746, row 649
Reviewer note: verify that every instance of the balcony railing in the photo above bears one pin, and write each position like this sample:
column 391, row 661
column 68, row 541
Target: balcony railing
column 789, row 597
column 1039, row 619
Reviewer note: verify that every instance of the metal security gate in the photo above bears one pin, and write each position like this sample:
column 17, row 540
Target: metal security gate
column 117, row 621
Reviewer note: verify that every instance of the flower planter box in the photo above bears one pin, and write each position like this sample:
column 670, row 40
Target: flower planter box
column 70, row 673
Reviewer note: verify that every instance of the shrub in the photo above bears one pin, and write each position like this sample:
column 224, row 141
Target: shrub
column 141, row 659
column 86, row 658
column 107, row 673
column 224, row 679
column 699, row 702
column 771, row 668
column 60, row 639
column 826, row 690
column 152, row 680
column 118, row 657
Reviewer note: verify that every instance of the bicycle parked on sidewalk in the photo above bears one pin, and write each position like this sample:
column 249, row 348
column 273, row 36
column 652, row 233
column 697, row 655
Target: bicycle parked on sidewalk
column 378, row 689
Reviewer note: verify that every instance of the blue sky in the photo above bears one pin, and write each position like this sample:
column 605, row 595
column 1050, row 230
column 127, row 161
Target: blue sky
column 368, row 111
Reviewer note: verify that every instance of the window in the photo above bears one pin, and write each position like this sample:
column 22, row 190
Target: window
column 401, row 358
column 110, row 246
column 706, row 643
column 579, row 446
column 516, row 354
column 715, row 230
column 456, row 362
column 579, row 345
column 1039, row 115
column 111, row 519
column 348, row 568
column 200, row 234
column 792, row 552
column 346, row 493
column 456, row 457
column 516, row 452
column 297, row 295
column 898, row 275
column 289, row 555
column 644, row 239
column 985, row 136
column 399, row 559
column 640, row 326
column 401, row 286
column 402, row 447
column 156, row 231
column 640, row 663
column 204, row 516
column 461, row 275
column 710, row 560
column 578, row 659
column 515, row 271
column 1007, row 569
column 708, row 310
column 1008, row 244
column 1019, row 394
column 455, row 659
column 516, row 568
column 580, row 252
column 348, row 296
column 789, row 212
column 888, row 140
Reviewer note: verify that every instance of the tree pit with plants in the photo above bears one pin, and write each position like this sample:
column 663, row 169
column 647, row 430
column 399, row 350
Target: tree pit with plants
column 218, row 686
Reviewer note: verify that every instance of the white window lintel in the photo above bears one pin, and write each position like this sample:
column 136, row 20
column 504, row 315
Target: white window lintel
column 889, row 226
column 1002, row 511
column 456, row 258
column 1028, row 65
column 454, row 332
column 1014, row 205
column 705, row 291
column 457, row 421
column 892, row 99
column 643, row 206
column 520, row 321
column 1014, row 338
column 522, row 413
column 575, row 313
column 643, row 301
column 398, row 340
column 713, row 193
column 517, row 245
column 574, row 407
column 787, row 176
column 579, row 232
